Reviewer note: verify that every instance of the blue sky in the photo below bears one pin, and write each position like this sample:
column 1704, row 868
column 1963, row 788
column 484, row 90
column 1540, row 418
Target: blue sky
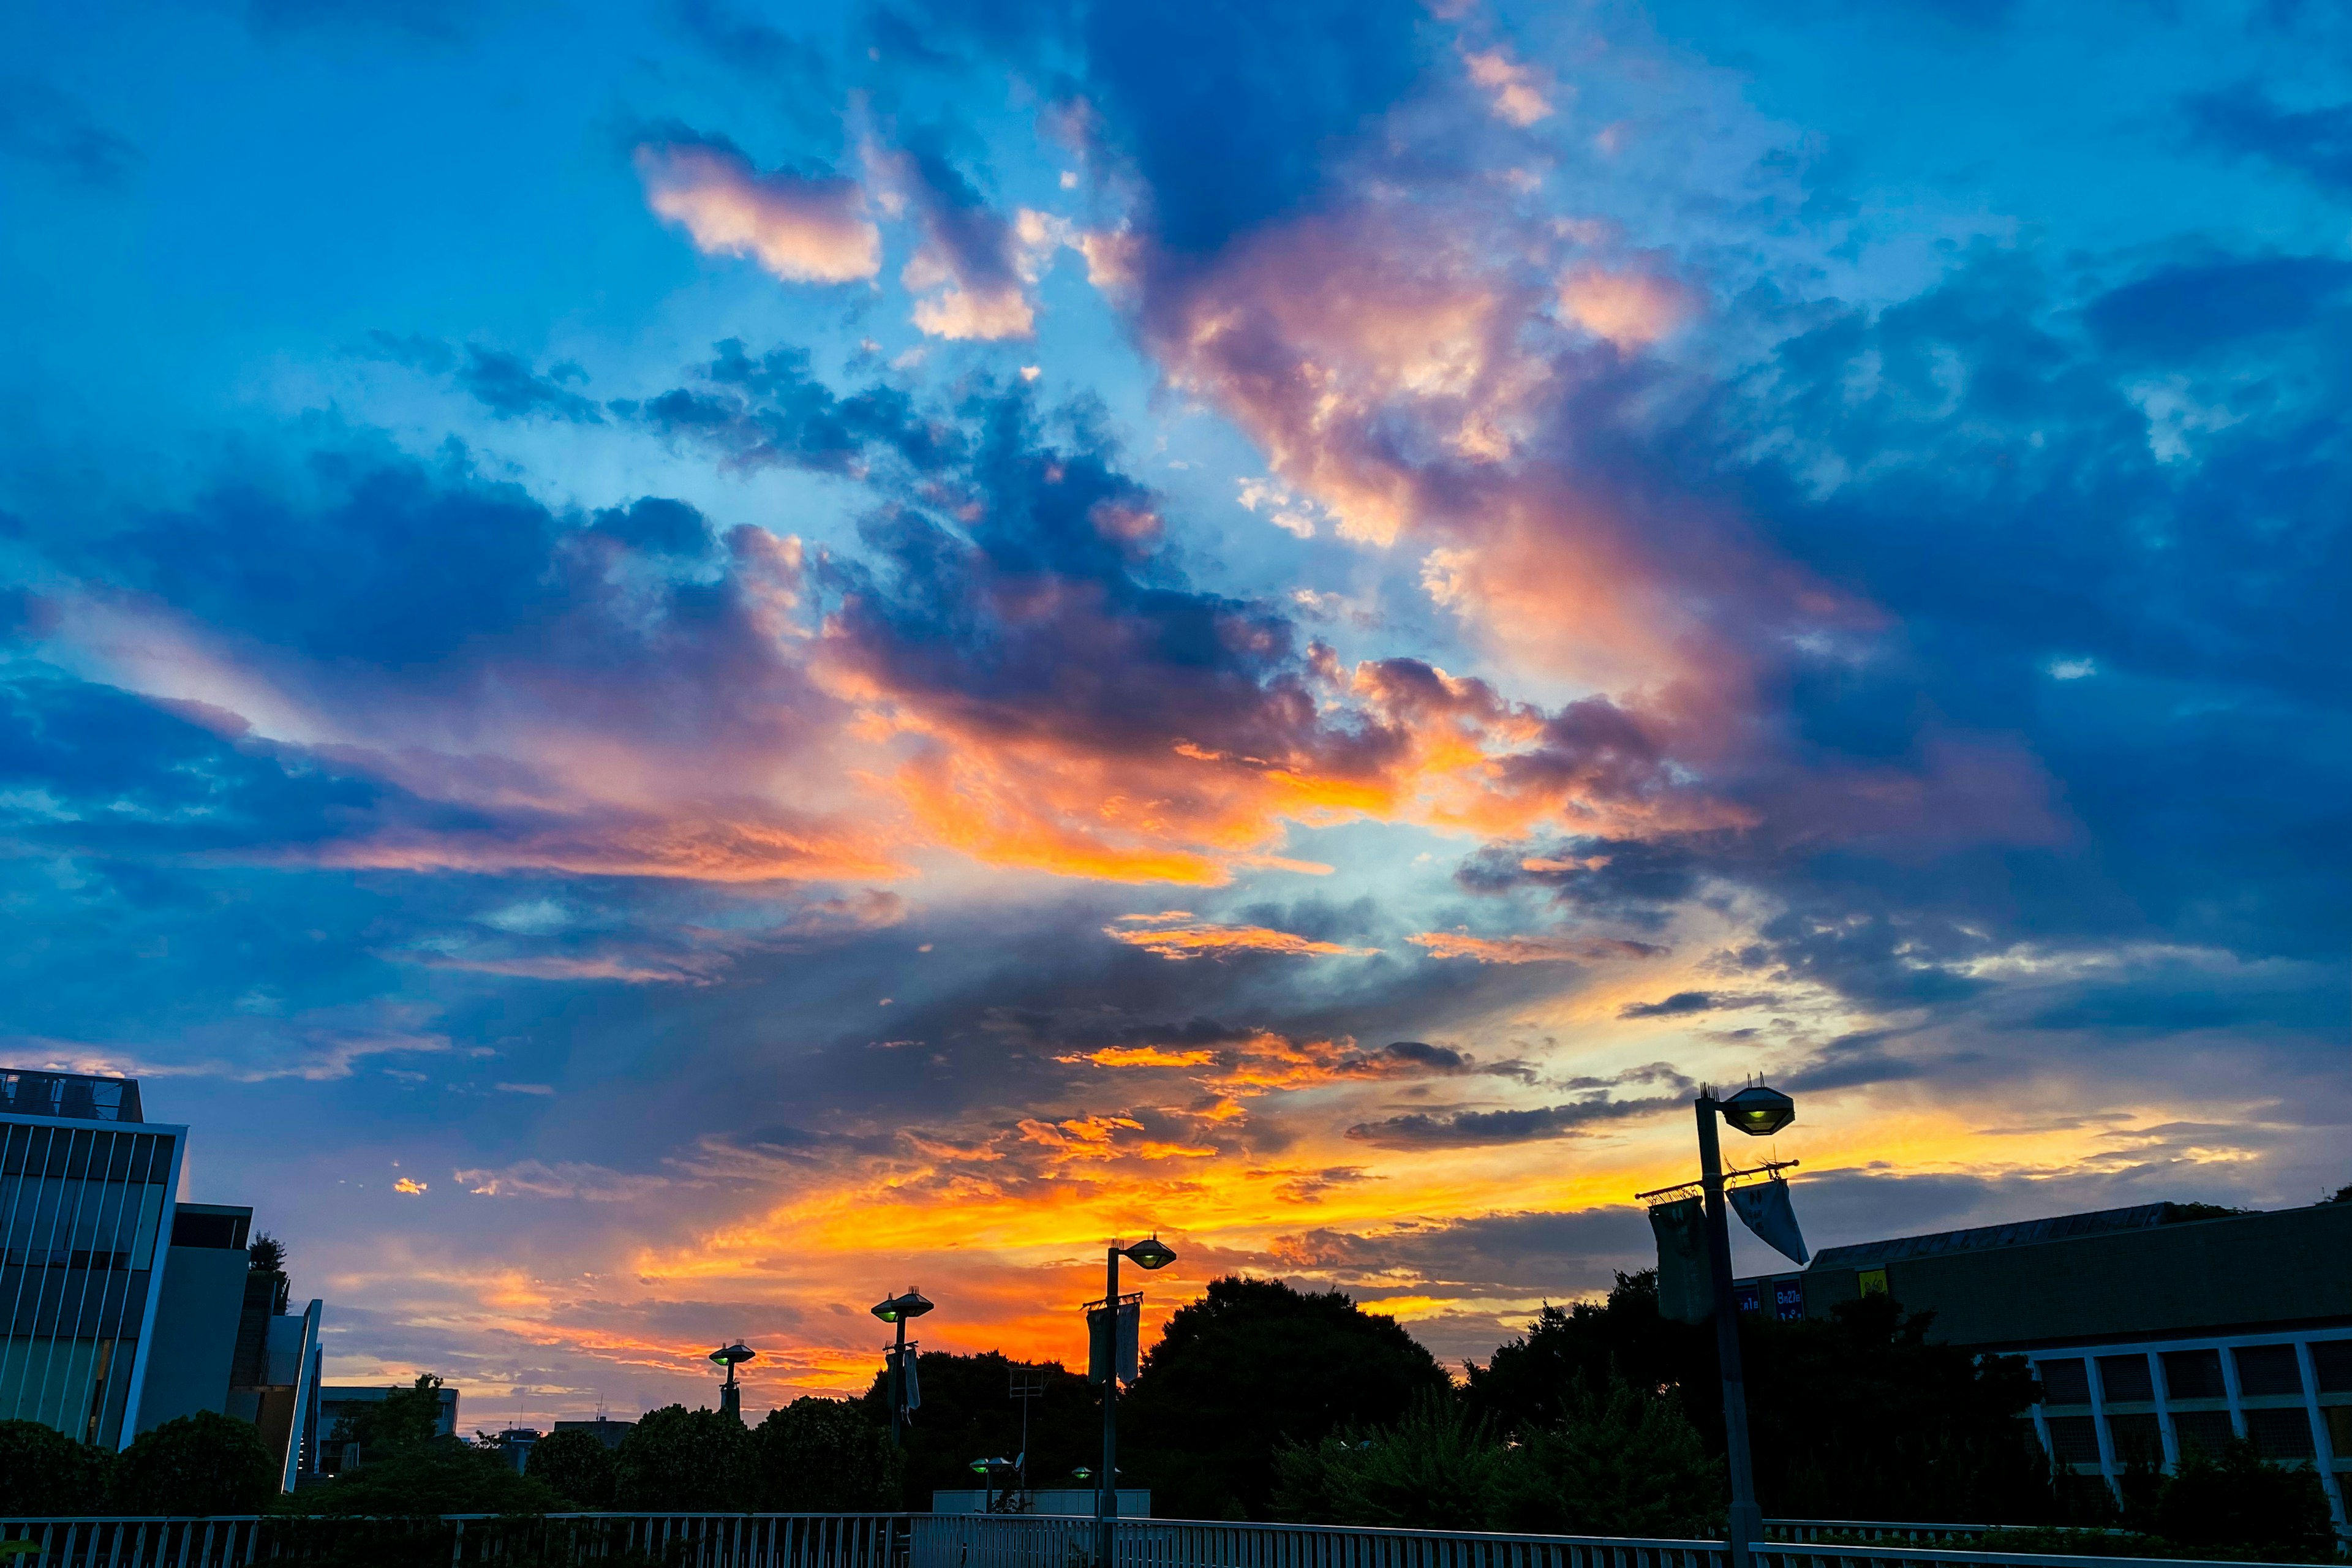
column 669, row 663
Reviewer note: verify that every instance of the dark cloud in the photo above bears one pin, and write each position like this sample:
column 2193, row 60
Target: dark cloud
column 2246, row 122
column 1478, row 1129
column 774, row 58
column 1231, row 114
column 1684, row 1003
column 2184, row 310
column 502, row 382
column 776, row 412
column 46, row 127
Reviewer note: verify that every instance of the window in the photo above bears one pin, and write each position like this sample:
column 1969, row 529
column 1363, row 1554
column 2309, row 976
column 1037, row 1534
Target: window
column 2193, row 1375
column 2064, row 1383
column 2135, row 1438
column 2124, row 1378
column 2339, row 1430
column 2206, row 1430
column 2280, row 1434
column 2332, row 1359
column 2267, row 1369
column 2074, row 1439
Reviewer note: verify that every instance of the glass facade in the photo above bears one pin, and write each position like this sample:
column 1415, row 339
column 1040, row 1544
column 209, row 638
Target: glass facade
column 81, row 1206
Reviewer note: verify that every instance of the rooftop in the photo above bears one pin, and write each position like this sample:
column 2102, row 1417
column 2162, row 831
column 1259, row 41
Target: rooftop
column 84, row 1096
column 2023, row 1233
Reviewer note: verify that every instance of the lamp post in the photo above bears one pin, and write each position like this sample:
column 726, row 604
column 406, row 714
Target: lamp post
column 897, row 1311
column 731, row 1393
column 1150, row 1253
column 1759, row 1112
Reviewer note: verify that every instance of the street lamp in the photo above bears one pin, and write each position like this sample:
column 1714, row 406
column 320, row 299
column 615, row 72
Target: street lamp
column 1759, row 1112
column 897, row 1311
column 1150, row 1253
column 731, row 1393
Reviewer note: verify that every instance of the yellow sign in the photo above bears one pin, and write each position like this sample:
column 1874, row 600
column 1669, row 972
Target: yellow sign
column 1872, row 1281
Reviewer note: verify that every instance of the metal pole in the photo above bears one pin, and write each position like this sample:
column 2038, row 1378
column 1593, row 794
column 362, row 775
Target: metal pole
column 1106, row 1493
column 1747, row 1520
column 898, row 1399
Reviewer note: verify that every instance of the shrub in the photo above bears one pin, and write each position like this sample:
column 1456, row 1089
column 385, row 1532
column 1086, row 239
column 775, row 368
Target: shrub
column 2234, row 1503
column 199, row 1463
column 1620, row 1462
column 1438, row 1468
column 43, row 1472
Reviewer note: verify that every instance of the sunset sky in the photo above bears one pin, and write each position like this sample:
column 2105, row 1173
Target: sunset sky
column 672, row 666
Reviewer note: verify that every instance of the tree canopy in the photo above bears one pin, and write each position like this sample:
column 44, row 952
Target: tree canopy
column 575, row 1464
column 968, row 1413
column 827, row 1456
column 1856, row 1415
column 676, row 1460
column 1251, row 1365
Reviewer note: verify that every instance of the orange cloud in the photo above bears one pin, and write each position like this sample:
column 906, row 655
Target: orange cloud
column 1191, row 939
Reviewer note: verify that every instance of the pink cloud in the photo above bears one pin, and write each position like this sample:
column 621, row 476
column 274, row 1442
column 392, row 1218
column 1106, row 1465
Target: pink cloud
column 802, row 230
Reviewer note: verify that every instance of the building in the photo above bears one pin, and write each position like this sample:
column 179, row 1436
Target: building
column 86, row 1187
column 604, row 1429
column 131, row 1309
column 2151, row 1327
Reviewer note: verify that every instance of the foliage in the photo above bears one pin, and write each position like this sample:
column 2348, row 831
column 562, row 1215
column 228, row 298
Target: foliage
column 827, row 1456
column 1622, row 1462
column 406, row 1419
column 676, row 1460
column 2232, row 1504
column 575, row 1464
column 1439, row 1469
column 443, row 1475
column 1855, row 1416
column 967, row 1413
column 405, row 1465
column 44, row 1472
column 1862, row 1412
column 199, row 1463
column 1534, row 1381
column 265, row 1254
column 1250, row 1365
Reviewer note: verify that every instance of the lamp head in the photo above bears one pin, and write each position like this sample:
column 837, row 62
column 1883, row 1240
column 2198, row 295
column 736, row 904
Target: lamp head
column 734, row 1355
column 1760, row 1111
column 898, row 1309
column 1151, row 1253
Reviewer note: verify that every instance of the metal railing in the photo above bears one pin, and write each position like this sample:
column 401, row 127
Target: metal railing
column 1807, row 1530
column 669, row 1540
column 947, row 1541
